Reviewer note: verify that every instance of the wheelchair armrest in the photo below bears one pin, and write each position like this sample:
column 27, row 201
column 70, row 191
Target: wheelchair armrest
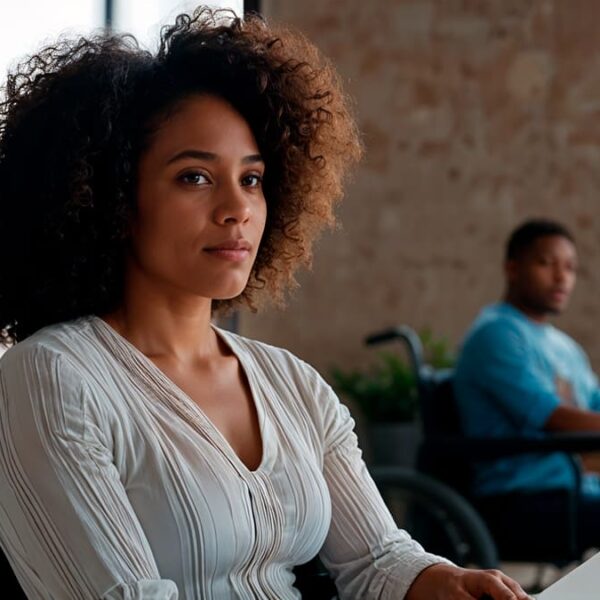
column 488, row 448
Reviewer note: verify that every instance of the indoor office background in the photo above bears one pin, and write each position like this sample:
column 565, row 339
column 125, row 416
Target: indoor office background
column 474, row 115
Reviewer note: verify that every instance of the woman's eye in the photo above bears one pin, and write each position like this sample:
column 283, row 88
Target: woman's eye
column 253, row 180
column 193, row 178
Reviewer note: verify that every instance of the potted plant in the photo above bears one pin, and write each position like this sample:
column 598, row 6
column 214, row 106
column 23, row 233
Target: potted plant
column 385, row 393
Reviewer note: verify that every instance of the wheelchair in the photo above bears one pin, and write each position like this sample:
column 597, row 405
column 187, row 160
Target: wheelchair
column 445, row 454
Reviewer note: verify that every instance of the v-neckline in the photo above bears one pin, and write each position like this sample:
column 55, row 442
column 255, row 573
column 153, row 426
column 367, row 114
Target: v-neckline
column 192, row 409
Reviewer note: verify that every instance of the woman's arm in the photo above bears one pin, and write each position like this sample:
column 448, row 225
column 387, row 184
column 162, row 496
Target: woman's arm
column 67, row 526
column 366, row 552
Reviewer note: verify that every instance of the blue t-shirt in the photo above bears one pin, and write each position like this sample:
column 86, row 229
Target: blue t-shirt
column 506, row 383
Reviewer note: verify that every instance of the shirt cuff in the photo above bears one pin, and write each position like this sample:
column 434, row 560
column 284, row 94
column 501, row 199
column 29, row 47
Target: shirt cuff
column 399, row 578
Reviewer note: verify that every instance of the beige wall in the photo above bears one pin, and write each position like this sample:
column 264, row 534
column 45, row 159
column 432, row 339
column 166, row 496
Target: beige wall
column 476, row 114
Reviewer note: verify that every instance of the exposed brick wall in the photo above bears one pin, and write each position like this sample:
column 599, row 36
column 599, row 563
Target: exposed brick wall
column 476, row 114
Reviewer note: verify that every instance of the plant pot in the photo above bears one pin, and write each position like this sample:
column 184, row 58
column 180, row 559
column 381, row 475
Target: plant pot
column 394, row 443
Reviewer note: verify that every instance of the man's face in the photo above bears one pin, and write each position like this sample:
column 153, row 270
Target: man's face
column 542, row 278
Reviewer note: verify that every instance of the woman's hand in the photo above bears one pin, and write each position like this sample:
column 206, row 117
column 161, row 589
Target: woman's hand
column 445, row 582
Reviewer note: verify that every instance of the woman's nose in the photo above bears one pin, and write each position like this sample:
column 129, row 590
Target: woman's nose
column 233, row 206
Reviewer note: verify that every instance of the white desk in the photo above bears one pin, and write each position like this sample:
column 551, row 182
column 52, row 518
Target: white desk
column 583, row 583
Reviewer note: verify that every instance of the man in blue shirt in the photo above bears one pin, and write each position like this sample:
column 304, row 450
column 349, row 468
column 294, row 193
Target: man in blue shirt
column 519, row 376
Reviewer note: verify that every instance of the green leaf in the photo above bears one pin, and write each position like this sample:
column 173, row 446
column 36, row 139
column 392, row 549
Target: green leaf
column 387, row 389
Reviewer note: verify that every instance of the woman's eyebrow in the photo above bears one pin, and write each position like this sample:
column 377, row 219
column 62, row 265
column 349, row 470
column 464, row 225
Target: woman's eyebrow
column 204, row 155
column 252, row 158
column 200, row 154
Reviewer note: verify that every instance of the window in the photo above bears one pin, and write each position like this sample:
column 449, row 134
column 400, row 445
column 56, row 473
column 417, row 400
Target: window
column 27, row 25
column 144, row 18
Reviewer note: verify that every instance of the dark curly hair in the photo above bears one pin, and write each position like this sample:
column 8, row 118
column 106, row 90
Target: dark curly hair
column 524, row 236
column 76, row 117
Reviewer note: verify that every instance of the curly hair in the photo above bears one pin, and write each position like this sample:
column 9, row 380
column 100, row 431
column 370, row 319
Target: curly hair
column 76, row 117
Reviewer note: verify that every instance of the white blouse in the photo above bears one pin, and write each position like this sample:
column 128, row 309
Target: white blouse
column 115, row 485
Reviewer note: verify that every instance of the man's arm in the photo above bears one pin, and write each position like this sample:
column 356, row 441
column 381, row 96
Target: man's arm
column 571, row 418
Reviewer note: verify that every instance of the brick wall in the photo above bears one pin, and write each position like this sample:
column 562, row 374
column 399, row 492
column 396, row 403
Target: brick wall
column 476, row 114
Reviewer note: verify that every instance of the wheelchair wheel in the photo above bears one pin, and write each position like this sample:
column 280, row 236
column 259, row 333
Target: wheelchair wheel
column 436, row 516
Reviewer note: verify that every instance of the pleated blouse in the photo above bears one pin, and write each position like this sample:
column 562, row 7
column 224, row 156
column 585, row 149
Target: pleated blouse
column 114, row 485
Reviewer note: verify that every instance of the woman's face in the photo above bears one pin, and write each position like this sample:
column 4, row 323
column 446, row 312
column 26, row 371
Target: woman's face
column 201, row 209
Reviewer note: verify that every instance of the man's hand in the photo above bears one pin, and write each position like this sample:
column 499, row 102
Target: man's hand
column 591, row 462
column 571, row 418
column 445, row 582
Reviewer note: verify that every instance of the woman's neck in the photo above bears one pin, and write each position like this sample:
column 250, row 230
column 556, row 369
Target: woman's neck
column 170, row 326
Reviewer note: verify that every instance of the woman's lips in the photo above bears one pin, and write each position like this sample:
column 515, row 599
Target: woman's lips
column 232, row 250
column 232, row 254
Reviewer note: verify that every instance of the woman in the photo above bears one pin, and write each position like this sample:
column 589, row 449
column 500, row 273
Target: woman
column 144, row 453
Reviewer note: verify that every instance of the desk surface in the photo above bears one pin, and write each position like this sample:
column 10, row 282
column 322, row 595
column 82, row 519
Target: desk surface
column 583, row 583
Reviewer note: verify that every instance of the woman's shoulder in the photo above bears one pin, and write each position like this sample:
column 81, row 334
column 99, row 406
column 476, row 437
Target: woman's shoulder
column 55, row 344
column 40, row 376
column 49, row 377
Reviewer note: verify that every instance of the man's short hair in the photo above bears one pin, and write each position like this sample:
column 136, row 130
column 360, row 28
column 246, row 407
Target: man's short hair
column 527, row 233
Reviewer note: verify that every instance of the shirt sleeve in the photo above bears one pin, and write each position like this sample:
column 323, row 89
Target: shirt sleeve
column 66, row 524
column 595, row 399
column 591, row 391
column 498, row 361
column 365, row 551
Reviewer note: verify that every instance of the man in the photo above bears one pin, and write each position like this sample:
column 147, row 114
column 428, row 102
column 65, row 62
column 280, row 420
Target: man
column 519, row 376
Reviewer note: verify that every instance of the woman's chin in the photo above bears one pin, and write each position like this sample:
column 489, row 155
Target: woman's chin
column 228, row 294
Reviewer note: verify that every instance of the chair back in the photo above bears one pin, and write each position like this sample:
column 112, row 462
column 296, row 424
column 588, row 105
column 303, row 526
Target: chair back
column 437, row 403
column 437, row 407
column 9, row 580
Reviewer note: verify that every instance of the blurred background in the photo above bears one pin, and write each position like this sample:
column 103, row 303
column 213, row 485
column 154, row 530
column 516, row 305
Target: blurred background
column 475, row 115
